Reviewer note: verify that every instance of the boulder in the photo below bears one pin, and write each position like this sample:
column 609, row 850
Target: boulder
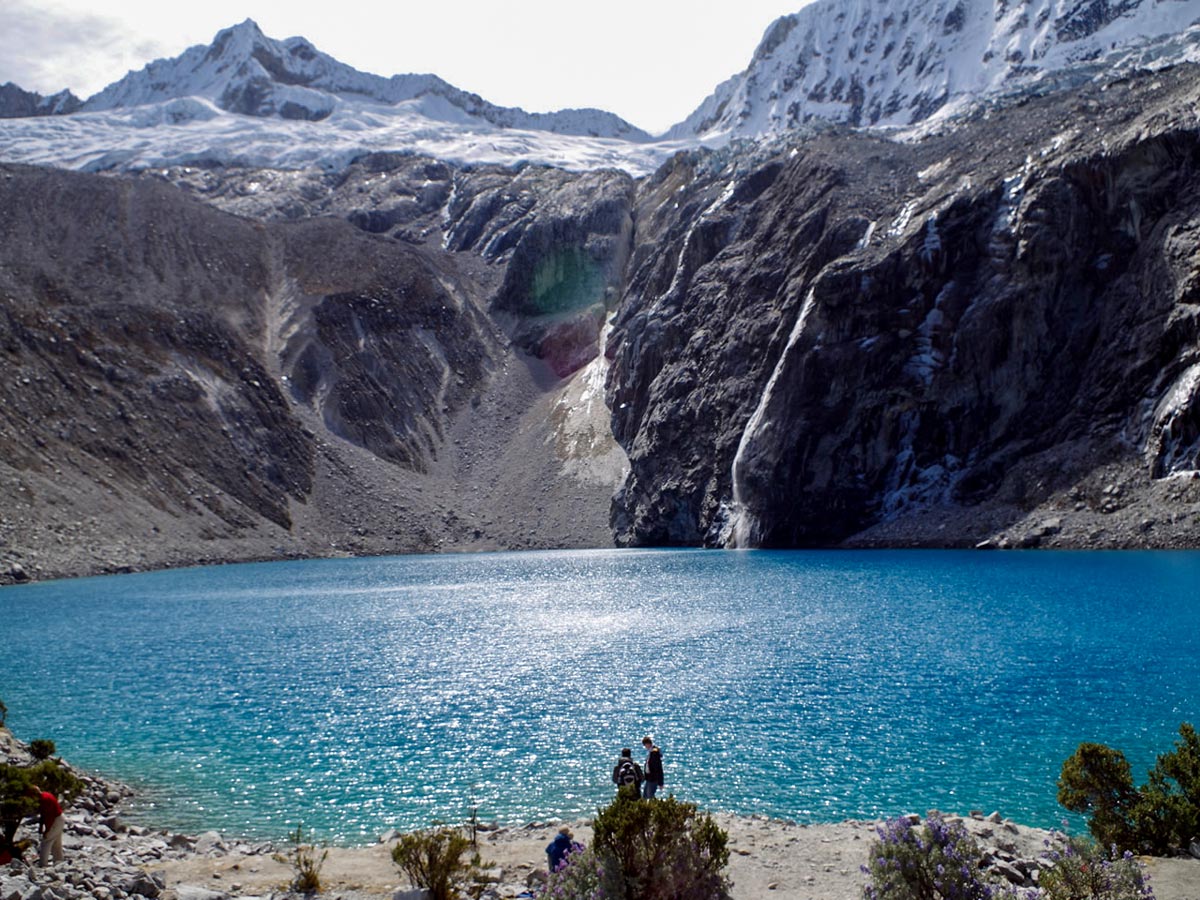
column 14, row 887
column 209, row 842
column 144, row 884
column 195, row 892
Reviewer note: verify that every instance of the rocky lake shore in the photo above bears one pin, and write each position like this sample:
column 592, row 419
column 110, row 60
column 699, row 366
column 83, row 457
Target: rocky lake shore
column 108, row 858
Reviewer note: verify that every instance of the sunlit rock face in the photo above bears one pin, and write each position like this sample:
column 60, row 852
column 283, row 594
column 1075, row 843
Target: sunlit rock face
column 843, row 332
column 184, row 328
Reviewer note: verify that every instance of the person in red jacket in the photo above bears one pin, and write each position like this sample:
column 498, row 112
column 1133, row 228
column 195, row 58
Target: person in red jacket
column 51, row 826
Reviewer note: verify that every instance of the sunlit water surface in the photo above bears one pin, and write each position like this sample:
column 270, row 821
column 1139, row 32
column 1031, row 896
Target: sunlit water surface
column 360, row 695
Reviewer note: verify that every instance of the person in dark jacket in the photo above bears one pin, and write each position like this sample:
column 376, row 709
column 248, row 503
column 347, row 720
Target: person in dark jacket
column 627, row 775
column 557, row 849
column 654, row 769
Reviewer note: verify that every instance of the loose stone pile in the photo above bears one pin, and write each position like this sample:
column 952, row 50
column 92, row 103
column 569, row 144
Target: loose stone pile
column 1013, row 852
column 104, row 858
column 108, row 859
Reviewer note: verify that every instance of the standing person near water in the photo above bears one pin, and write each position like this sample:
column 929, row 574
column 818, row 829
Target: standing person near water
column 627, row 775
column 51, row 826
column 654, row 769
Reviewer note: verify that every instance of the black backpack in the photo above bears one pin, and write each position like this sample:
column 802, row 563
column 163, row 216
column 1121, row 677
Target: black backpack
column 627, row 772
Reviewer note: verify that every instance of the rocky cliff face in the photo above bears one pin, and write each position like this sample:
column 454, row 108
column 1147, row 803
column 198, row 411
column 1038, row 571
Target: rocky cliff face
column 838, row 336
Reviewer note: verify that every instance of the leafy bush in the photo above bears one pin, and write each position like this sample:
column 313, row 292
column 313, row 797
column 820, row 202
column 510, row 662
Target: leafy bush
column 586, row 875
column 1097, row 779
column 1158, row 817
column 664, row 849
column 1168, row 814
column 15, row 802
column 48, row 775
column 1079, row 869
column 305, row 863
column 51, row 775
column 42, row 748
column 937, row 861
column 432, row 860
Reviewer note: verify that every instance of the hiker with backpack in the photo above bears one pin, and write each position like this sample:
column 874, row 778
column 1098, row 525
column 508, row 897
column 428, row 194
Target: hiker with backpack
column 627, row 775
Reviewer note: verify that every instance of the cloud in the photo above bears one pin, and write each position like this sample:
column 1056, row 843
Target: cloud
column 47, row 49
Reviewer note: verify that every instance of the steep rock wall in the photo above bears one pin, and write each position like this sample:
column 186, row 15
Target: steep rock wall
column 844, row 332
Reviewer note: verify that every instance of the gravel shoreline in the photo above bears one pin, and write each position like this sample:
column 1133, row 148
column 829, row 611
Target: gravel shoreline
column 108, row 859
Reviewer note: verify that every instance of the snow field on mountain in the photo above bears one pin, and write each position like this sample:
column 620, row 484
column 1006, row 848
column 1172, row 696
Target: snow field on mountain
column 193, row 131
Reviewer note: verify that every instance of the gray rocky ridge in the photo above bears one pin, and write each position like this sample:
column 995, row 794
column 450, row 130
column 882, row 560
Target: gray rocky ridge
column 16, row 102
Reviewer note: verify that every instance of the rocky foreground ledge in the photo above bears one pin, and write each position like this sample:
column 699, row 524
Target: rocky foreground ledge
column 108, row 859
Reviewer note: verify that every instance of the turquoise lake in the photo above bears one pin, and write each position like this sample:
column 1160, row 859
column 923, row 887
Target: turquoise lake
column 360, row 695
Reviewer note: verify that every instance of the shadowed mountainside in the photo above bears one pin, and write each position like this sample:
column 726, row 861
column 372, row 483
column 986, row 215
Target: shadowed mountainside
column 995, row 326
column 990, row 335
column 184, row 384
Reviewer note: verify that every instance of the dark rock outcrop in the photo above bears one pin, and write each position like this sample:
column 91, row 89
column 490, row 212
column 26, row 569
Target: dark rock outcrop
column 18, row 103
column 555, row 244
column 846, row 332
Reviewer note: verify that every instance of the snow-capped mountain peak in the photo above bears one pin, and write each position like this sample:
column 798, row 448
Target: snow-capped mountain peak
column 244, row 71
column 899, row 62
column 248, row 99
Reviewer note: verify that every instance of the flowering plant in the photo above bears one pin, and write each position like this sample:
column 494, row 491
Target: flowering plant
column 937, row 861
column 1079, row 869
column 584, row 876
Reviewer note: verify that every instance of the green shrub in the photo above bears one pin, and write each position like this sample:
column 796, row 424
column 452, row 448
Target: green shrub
column 51, row 775
column 1098, row 780
column 3, row 713
column 432, row 860
column 663, row 850
column 1159, row 817
column 47, row 775
column 42, row 748
column 305, row 863
column 1167, row 815
column 15, row 802
column 1079, row 869
column 938, row 860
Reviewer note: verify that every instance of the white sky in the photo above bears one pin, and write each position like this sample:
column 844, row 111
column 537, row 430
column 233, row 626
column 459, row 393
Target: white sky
column 649, row 61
